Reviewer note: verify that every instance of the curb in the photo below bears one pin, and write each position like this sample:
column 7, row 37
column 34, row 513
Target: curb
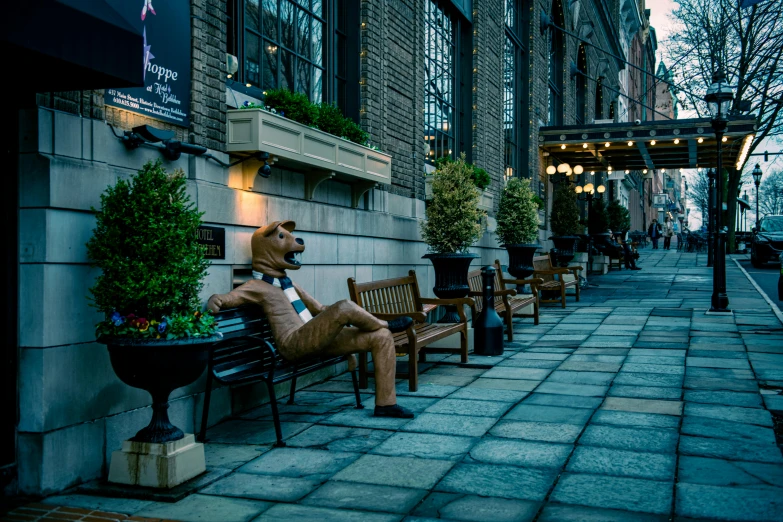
column 769, row 301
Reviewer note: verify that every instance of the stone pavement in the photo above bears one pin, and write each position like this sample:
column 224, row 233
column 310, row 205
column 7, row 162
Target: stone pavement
column 630, row 405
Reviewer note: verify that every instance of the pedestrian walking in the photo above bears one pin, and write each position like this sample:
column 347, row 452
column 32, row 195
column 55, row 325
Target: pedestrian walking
column 668, row 232
column 654, row 231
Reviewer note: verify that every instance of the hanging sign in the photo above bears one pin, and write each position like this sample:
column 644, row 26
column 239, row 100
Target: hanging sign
column 165, row 25
column 661, row 201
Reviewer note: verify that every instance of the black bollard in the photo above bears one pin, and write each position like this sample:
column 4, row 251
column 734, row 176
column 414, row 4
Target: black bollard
column 488, row 327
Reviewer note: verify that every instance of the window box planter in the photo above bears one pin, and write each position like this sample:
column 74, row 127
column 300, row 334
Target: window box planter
column 486, row 201
column 320, row 155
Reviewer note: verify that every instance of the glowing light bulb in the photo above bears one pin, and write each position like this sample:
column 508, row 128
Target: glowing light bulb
column 676, row 141
column 562, row 146
column 578, row 169
column 601, row 189
column 607, row 144
column 588, row 187
column 609, row 168
column 701, row 140
column 725, row 139
column 630, row 144
column 627, row 171
column 551, row 170
column 652, row 142
column 578, row 189
column 584, row 145
column 644, row 171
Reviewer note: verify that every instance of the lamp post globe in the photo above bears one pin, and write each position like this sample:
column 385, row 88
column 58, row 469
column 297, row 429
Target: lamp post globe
column 719, row 98
column 757, row 181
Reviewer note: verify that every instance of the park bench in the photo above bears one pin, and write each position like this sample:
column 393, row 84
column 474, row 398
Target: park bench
column 392, row 298
column 553, row 280
column 247, row 355
column 507, row 303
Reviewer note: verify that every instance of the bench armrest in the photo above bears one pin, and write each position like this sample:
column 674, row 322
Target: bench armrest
column 554, row 271
column 418, row 317
column 459, row 302
column 498, row 293
column 533, row 281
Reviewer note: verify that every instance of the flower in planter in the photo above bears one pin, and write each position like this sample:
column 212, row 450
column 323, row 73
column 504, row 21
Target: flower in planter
column 145, row 245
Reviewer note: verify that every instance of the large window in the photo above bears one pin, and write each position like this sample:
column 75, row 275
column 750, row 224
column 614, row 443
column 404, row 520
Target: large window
column 556, row 52
column 308, row 46
column 514, row 87
column 446, row 36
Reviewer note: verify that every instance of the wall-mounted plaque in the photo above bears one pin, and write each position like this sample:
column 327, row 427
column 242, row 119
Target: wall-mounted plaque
column 213, row 241
column 165, row 25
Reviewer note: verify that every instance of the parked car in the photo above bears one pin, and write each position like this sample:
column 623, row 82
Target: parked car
column 767, row 242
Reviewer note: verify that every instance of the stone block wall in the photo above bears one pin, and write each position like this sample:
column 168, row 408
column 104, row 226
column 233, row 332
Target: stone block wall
column 74, row 410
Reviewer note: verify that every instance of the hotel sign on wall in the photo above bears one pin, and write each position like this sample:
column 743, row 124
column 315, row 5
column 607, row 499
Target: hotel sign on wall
column 165, row 25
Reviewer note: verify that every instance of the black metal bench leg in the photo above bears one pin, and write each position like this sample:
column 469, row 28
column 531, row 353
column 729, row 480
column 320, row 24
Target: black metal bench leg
column 359, row 405
column 275, row 414
column 205, row 414
column 293, row 391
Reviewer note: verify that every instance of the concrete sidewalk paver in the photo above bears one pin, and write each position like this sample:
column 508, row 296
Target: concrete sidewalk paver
column 631, row 405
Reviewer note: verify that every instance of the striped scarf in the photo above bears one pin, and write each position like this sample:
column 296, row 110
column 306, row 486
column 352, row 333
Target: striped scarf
column 289, row 291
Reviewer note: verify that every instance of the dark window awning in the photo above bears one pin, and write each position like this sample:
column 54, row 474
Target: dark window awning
column 62, row 45
column 659, row 144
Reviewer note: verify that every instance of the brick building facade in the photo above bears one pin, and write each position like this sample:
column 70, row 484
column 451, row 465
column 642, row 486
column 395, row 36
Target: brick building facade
column 73, row 410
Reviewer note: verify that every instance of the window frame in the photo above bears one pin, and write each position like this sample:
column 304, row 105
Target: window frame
column 458, row 133
column 236, row 41
column 555, row 84
column 515, row 38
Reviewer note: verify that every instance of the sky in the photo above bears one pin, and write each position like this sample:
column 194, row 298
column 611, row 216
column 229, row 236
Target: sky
column 660, row 19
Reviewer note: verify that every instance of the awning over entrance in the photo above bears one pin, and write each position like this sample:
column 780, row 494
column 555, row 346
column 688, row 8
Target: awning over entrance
column 62, row 45
column 659, row 144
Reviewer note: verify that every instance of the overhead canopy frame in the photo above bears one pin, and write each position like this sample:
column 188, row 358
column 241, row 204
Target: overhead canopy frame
column 658, row 144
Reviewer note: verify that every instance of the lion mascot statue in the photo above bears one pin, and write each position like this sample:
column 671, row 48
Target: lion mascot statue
column 302, row 327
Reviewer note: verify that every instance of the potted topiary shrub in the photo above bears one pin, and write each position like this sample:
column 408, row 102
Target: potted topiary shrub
column 517, row 227
column 598, row 225
column 151, row 266
column 618, row 217
column 452, row 226
column 565, row 223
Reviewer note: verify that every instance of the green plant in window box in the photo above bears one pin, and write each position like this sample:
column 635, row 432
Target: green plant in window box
column 151, row 264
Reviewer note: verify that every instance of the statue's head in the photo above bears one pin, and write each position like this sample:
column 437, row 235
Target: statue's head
column 275, row 248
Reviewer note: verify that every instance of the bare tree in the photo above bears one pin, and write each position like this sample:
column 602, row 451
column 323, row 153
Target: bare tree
column 748, row 44
column 699, row 193
column 771, row 195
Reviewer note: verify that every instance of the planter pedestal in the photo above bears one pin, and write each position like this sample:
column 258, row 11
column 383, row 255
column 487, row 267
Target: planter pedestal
column 580, row 259
column 158, row 465
column 600, row 264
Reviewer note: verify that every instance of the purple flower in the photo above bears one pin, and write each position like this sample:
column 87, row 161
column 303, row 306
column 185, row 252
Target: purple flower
column 115, row 316
column 162, row 327
column 247, row 103
column 119, row 322
column 282, row 113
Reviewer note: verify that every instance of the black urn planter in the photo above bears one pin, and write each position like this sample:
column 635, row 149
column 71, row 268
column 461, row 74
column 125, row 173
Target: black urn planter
column 451, row 279
column 520, row 259
column 159, row 367
column 565, row 246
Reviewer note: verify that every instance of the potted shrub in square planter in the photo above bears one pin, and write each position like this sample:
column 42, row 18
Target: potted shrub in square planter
column 517, row 228
column 452, row 226
column 151, row 266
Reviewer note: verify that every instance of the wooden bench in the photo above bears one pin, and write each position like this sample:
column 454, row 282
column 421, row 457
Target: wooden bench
column 391, row 298
column 553, row 279
column 247, row 355
column 507, row 303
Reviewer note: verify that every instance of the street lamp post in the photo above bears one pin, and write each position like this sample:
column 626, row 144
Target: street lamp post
column 710, row 217
column 589, row 191
column 719, row 98
column 757, row 181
